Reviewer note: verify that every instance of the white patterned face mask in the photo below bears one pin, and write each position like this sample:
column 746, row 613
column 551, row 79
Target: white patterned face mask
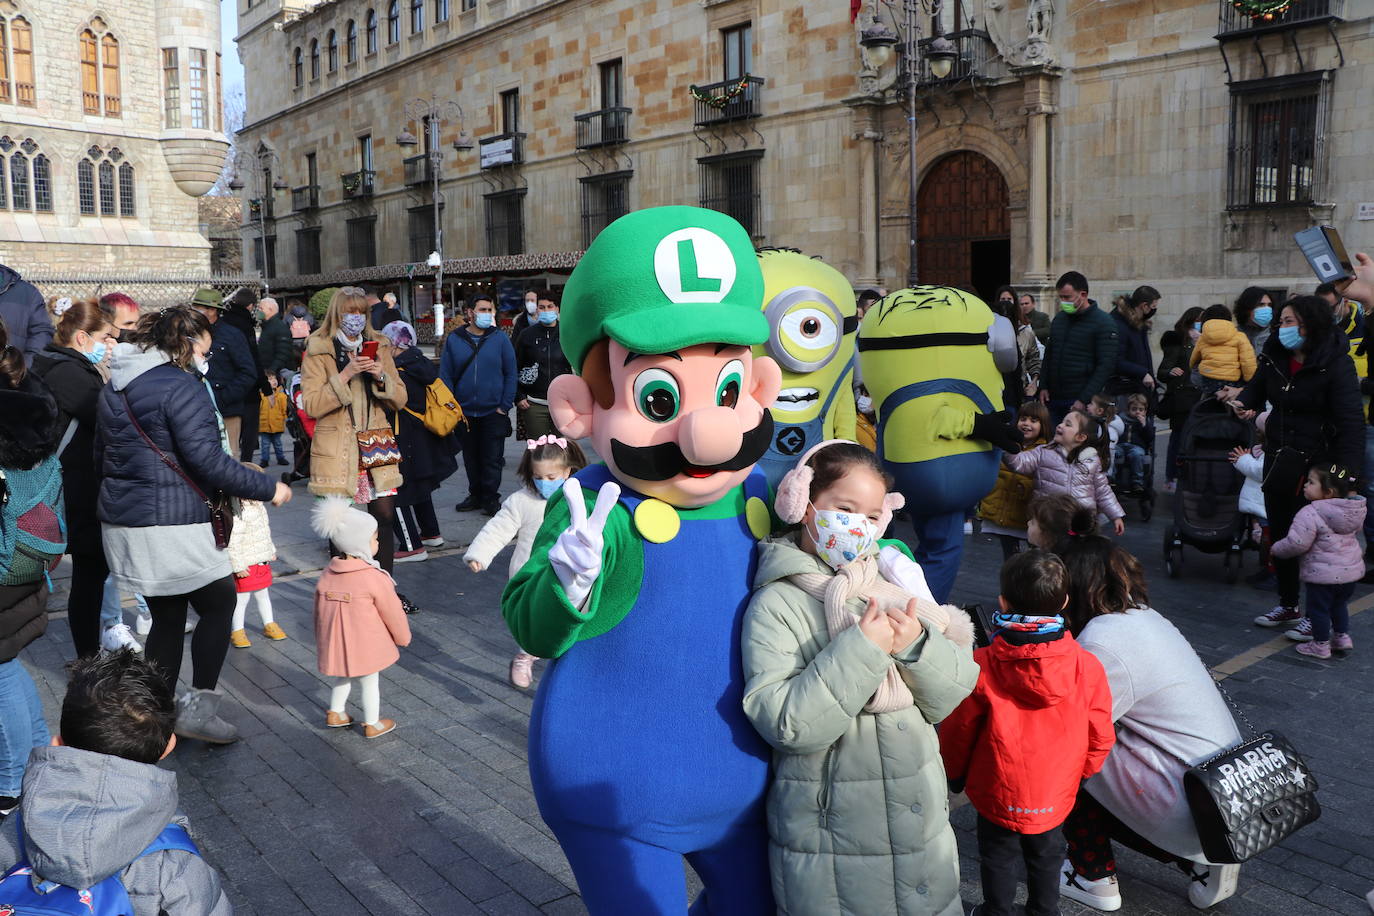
column 842, row 537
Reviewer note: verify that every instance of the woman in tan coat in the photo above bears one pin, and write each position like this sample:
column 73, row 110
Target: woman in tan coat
column 346, row 393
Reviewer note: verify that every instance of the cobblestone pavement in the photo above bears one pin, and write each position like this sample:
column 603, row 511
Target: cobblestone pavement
column 438, row 817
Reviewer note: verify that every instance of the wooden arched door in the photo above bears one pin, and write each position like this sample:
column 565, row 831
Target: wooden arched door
column 964, row 237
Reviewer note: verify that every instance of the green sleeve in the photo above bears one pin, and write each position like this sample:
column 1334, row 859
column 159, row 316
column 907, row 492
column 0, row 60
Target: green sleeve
column 900, row 545
column 534, row 604
column 939, row 673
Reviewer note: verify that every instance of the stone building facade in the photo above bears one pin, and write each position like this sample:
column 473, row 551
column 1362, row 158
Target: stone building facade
column 110, row 128
column 1177, row 143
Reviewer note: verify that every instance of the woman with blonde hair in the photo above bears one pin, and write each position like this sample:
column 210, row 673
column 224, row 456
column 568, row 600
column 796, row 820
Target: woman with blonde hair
column 348, row 391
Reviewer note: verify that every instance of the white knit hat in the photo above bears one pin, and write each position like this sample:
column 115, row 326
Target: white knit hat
column 351, row 531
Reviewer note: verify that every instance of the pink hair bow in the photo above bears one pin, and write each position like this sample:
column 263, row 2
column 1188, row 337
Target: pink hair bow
column 532, row 444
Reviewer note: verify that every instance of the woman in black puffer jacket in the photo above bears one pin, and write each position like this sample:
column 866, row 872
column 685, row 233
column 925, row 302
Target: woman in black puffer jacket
column 1306, row 374
column 156, row 526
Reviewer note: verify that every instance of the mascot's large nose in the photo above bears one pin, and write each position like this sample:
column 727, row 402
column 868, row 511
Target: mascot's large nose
column 711, row 436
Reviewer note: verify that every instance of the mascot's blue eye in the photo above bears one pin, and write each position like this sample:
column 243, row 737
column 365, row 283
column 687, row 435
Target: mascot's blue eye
column 656, row 395
column 729, row 383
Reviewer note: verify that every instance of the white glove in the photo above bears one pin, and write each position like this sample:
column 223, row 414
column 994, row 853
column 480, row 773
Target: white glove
column 576, row 555
column 904, row 572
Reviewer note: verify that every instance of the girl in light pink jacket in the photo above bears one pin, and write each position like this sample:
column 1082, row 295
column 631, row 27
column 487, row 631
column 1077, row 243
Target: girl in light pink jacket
column 1075, row 463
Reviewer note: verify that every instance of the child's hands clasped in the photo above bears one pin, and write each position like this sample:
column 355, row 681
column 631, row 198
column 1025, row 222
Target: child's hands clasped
column 906, row 626
column 877, row 626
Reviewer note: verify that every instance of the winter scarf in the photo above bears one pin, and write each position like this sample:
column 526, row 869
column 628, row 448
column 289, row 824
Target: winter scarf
column 1027, row 627
column 860, row 579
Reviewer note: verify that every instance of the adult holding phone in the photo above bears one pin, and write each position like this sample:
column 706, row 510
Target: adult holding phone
column 1307, row 375
column 349, row 392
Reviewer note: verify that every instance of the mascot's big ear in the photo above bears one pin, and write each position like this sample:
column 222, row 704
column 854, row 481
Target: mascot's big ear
column 570, row 406
column 767, row 381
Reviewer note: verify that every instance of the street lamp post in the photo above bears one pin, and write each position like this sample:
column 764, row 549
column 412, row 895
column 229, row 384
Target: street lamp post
column 431, row 113
column 266, row 159
column 878, row 40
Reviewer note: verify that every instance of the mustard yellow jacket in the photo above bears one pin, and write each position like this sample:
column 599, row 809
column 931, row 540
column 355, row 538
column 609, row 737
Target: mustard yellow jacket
column 1223, row 352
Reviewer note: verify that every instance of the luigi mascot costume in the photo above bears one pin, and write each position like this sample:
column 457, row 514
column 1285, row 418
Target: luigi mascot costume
column 639, row 750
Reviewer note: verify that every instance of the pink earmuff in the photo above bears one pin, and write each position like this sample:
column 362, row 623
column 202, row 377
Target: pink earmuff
column 794, row 490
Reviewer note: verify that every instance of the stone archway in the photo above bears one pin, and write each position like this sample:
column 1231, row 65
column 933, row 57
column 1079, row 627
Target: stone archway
column 964, row 224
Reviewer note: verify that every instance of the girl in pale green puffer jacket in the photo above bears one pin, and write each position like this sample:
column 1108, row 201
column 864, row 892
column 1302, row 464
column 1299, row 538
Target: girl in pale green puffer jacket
column 849, row 664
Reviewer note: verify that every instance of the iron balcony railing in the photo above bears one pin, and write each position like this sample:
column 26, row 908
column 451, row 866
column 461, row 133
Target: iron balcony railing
column 976, row 57
column 502, row 149
column 728, row 100
column 357, row 184
column 1235, row 23
column 419, row 169
column 602, row 128
column 306, row 197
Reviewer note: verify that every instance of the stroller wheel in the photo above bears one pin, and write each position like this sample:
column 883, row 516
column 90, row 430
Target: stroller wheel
column 1173, row 554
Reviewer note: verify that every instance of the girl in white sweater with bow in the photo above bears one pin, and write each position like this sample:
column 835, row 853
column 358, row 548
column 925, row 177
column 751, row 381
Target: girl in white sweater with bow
column 548, row 461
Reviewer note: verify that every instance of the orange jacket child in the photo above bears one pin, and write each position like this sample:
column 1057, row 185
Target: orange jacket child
column 359, row 620
column 272, row 412
column 1223, row 352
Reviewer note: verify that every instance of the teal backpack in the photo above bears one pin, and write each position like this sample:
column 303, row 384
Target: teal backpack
column 33, row 522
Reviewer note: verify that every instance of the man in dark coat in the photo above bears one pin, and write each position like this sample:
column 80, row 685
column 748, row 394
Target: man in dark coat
column 233, row 373
column 25, row 314
column 539, row 360
column 1081, row 354
column 382, row 312
column 240, row 313
column 274, row 340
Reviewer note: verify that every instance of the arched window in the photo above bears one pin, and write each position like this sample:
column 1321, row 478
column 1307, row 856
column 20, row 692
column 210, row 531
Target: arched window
column 351, row 42
column 90, row 73
column 107, row 188
column 440, row 11
column 109, row 53
column 85, row 186
column 42, row 184
column 393, row 22
column 126, row 189
column 21, row 36
column 333, row 48
column 371, row 28
column 314, row 58
column 298, row 68
column 19, row 181
column 417, row 16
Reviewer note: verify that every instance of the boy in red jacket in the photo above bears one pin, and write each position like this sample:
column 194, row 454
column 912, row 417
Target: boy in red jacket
column 1038, row 724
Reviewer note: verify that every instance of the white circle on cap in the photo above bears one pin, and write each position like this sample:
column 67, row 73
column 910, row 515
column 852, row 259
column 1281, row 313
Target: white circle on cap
column 694, row 265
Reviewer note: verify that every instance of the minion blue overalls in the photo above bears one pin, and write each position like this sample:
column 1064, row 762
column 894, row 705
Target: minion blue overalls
column 639, row 749
column 791, row 440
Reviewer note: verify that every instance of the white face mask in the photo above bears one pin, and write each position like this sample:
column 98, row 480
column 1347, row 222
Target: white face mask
column 202, row 365
column 843, row 537
column 531, row 307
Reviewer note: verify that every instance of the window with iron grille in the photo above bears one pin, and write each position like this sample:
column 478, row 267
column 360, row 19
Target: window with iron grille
column 308, row 250
column 42, row 184
column 605, row 198
column 422, row 240
column 505, row 217
column 730, row 184
column 85, row 185
column 362, row 242
column 107, row 188
column 1277, row 155
column 271, row 264
column 19, row 181
column 198, row 64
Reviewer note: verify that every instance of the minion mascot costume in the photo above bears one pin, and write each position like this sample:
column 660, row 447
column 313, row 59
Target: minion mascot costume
column 639, row 750
column 933, row 358
column 812, row 320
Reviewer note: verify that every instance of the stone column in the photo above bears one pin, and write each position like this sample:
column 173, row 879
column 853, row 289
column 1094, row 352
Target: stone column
column 866, row 131
column 1041, row 88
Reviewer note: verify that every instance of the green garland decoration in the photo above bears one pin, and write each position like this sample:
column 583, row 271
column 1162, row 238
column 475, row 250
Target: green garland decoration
column 720, row 101
column 1264, row 10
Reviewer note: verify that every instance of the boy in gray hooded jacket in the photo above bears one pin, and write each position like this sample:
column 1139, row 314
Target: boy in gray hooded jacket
column 96, row 799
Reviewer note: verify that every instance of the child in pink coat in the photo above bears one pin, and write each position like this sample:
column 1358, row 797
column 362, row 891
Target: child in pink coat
column 359, row 620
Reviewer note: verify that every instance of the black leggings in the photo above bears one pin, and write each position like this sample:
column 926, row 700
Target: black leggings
column 214, row 605
column 1282, row 500
column 383, row 509
column 89, row 572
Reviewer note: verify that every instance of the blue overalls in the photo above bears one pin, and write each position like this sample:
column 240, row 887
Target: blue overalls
column 941, row 490
column 639, row 749
column 791, row 440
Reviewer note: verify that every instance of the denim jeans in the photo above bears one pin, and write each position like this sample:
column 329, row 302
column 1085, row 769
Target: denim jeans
column 111, row 608
column 22, row 727
column 1132, row 458
column 269, row 442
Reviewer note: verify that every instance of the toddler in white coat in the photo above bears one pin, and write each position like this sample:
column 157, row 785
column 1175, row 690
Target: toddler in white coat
column 251, row 553
column 548, row 461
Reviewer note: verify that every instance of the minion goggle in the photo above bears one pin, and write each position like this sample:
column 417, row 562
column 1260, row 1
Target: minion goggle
column 1000, row 339
column 806, row 328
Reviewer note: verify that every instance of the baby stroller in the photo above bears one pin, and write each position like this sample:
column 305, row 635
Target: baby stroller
column 1120, row 472
column 1207, row 512
column 301, row 426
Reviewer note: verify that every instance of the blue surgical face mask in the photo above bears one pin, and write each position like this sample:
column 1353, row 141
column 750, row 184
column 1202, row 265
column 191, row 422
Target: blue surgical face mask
column 484, row 319
column 1197, row 325
column 548, row 317
column 353, row 324
column 1262, row 316
column 98, row 353
column 547, row 488
column 1290, row 336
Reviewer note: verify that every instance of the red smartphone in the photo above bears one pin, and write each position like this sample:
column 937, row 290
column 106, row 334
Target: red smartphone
column 370, row 349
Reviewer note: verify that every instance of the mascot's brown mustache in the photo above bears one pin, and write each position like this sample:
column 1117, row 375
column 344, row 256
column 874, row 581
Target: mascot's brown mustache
column 665, row 460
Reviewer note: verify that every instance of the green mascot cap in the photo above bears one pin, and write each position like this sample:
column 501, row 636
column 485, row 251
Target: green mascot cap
column 662, row 279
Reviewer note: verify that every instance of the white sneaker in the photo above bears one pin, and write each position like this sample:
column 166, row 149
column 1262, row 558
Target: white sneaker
column 1302, row 632
column 143, row 624
column 1211, row 884
column 119, row 637
column 1103, row 894
column 436, row 541
column 190, row 625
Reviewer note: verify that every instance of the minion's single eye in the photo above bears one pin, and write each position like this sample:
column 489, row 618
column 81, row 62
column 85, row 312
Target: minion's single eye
column 808, row 332
column 810, row 327
column 729, row 383
column 656, row 395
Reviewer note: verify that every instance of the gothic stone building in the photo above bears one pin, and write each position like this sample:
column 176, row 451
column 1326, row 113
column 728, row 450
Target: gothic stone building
column 1178, row 143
